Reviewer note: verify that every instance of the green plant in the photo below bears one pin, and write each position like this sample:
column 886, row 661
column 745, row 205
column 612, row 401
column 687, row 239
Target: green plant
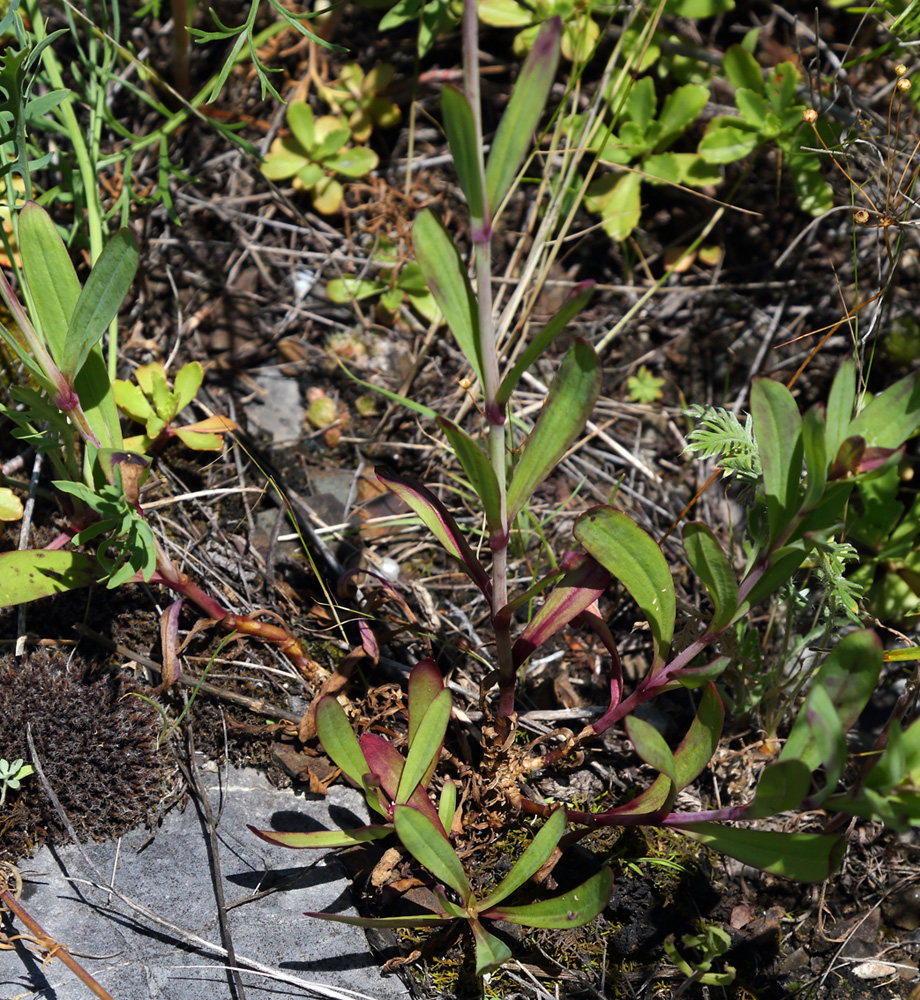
column 396, row 284
column 71, row 405
column 710, row 943
column 151, row 402
column 793, row 521
column 580, row 31
column 396, row 787
column 12, row 775
column 770, row 112
column 435, row 17
column 361, row 96
column 642, row 144
column 644, row 387
column 314, row 153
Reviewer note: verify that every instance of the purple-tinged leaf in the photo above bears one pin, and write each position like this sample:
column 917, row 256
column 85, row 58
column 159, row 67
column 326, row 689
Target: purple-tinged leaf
column 782, row 786
column 601, row 629
column 568, row 406
column 386, row 765
column 578, row 299
column 429, row 846
column 418, row 920
column 522, row 115
column 849, row 455
column 694, row 677
column 576, row 592
column 435, row 517
column 634, row 558
column 571, row 909
column 425, row 684
column 529, row 863
column 169, row 642
column 324, row 838
column 460, row 127
column 805, row 857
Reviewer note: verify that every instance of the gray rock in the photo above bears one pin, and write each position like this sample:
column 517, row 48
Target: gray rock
column 138, row 915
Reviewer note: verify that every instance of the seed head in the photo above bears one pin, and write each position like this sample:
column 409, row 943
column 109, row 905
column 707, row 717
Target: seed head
column 900, row 70
column 903, row 85
column 861, row 216
column 809, row 116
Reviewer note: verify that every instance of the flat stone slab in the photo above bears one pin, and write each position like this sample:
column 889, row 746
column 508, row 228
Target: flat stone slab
column 141, row 916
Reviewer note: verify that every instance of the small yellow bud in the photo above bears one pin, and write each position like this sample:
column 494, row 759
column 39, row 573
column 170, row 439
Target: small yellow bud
column 466, row 384
column 809, row 116
column 903, row 85
column 900, row 70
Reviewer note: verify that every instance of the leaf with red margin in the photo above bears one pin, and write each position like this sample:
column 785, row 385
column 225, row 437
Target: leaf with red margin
column 386, row 765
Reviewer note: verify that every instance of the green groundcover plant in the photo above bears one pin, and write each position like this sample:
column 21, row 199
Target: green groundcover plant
column 806, row 468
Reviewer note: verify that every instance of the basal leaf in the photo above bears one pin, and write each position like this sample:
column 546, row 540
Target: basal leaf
column 568, row 406
column 742, row 69
column 711, row 565
column 849, row 675
column 425, row 748
column 814, row 441
column 782, row 786
column 448, row 281
column 891, row 417
column 432, row 849
column 387, row 766
column 491, row 952
column 425, row 684
column 840, row 405
column 634, row 558
column 316, row 839
column 652, row 747
column 529, row 863
column 571, row 909
column 338, row 739
column 522, row 115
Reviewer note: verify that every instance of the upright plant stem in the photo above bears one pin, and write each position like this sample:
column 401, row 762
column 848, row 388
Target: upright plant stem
column 495, row 414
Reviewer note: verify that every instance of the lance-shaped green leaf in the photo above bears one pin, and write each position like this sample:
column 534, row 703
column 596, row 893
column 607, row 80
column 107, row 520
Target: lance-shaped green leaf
column 849, row 675
column 782, row 786
column 491, row 953
column 567, row 408
column 448, row 281
column 435, row 517
column 711, row 565
column 425, row 748
column 32, row 574
column 653, row 749
column 805, row 857
column 478, row 470
column 782, row 564
column 316, row 839
column 528, row 99
column 338, row 739
column 578, row 299
column 461, row 138
column 840, row 403
column 634, row 558
column 529, row 863
column 425, row 684
column 814, row 443
column 53, row 284
column 431, row 848
column 571, row 909
column 778, row 431
column 105, row 290
column 447, row 804
column 690, row 758
column 413, row 920
column 387, row 765
column 578, row 589
column 891, row 417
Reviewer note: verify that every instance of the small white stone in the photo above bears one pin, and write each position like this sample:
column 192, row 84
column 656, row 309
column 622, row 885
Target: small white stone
column 389, row 568
column 303, row 279
column 873, row 970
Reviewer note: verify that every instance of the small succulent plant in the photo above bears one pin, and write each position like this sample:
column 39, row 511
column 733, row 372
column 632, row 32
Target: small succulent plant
column 315, row 152
column 360, row 95
column 151, row 402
